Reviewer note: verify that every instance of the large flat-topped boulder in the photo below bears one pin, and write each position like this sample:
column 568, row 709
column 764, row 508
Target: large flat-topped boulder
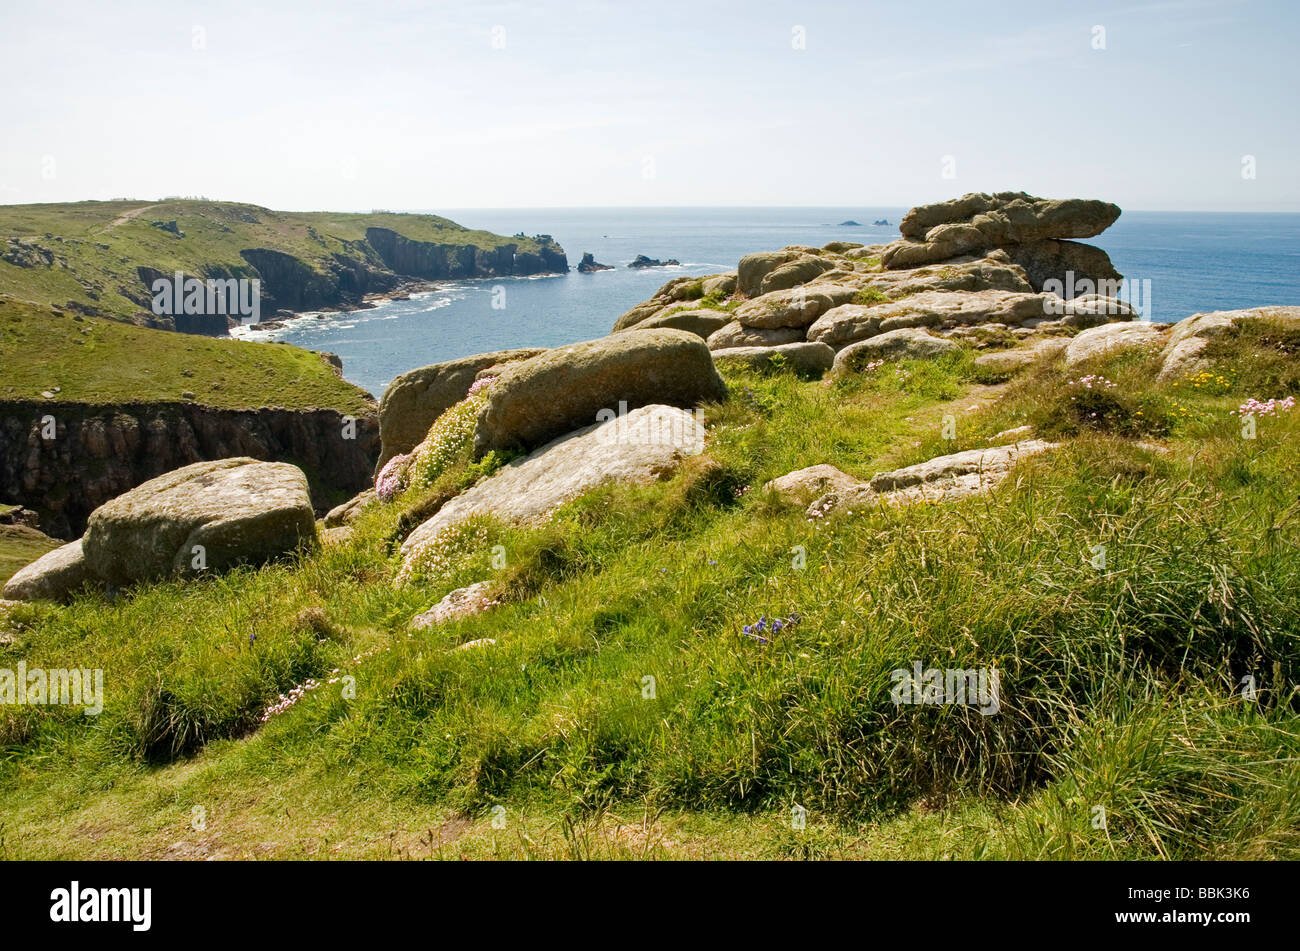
column 645, row 445
column 977, row 222
column 418, row 397
column 536, row 400
column 210, row 515
column 52, row 577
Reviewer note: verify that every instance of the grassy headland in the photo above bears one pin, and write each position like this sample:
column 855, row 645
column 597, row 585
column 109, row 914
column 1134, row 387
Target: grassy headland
column 86, row 254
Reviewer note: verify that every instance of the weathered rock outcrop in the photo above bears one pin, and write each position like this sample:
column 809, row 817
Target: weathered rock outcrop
column 418, row 397
column 735, row 334
column 679, row 290
column 978, row 222
column 1190, row 336
column 812, row 359
column 803, row 484
column 701, row 322
column 1108, row 338
column 463, row 602
column 849, row 323
column 942, row 479
column 556, row 392
column 769, row 271
column 99, row 452
column 1004, row 261
column 795, row 307
column 645, row 445
column 902, row 344
column 206, row 516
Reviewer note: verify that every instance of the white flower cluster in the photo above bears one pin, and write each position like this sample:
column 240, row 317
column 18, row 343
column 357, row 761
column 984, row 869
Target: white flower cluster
column 439, row 557
column 450, row 437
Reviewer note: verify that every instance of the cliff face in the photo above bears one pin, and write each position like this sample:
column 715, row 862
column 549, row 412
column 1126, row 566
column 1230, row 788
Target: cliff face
column 432, row 261
column 100, row 452
column 290, row 284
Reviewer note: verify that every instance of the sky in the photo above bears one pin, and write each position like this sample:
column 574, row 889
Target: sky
column 399, row 104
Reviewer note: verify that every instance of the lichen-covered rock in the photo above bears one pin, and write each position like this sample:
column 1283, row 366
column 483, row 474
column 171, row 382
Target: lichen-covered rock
column 1088, row 310
column 418, row 397
column 209, row 515
column 702, row 322
column 844, row 325
column 1108, row 338
column 1006, row 361
column 977, row 222
column 904, row 343
column 767, row 271
column 1189, row 337
column 463, row 602
column 803, row 484
column 794, row 307
column 677, row 291
column 561, row 390
column 347, row 512
column 52, row 577
column 647, row 444
column 735, row 334
column 942, row 479
column 812, row 359
column 802, row 270
column 1047, row 262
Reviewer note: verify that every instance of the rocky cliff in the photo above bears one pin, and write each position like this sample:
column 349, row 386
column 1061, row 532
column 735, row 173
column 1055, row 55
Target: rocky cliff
column 99, row 452
column 435, row 261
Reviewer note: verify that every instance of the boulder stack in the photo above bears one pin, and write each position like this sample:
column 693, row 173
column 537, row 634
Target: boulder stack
column 1007, row 261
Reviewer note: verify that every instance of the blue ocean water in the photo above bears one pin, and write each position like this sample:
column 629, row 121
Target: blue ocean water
column 1193, row 262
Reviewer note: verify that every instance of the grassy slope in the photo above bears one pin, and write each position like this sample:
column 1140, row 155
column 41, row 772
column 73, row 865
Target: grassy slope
column 102, row 243
column 20, row 546
column 102, row 362
column 1119, row 685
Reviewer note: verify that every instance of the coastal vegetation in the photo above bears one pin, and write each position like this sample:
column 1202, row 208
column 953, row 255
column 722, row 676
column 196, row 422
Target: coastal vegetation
column 1122, row 685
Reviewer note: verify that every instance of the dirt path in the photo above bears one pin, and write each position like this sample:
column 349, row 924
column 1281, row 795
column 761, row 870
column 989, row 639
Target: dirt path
column 127, row 217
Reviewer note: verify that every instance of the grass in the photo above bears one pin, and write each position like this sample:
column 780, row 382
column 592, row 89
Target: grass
column 105, row 362
column 20, row 546
column 1121, row 685
column 96, row 246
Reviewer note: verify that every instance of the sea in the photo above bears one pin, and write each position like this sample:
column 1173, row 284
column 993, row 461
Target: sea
column 1175, row 264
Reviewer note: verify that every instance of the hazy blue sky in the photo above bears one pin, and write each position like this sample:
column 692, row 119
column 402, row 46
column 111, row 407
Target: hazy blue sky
column 405, row 104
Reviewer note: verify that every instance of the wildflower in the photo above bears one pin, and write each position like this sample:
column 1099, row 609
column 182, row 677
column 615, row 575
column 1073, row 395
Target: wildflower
column 1253, row 407
column 391, row 480
column 450, row 437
